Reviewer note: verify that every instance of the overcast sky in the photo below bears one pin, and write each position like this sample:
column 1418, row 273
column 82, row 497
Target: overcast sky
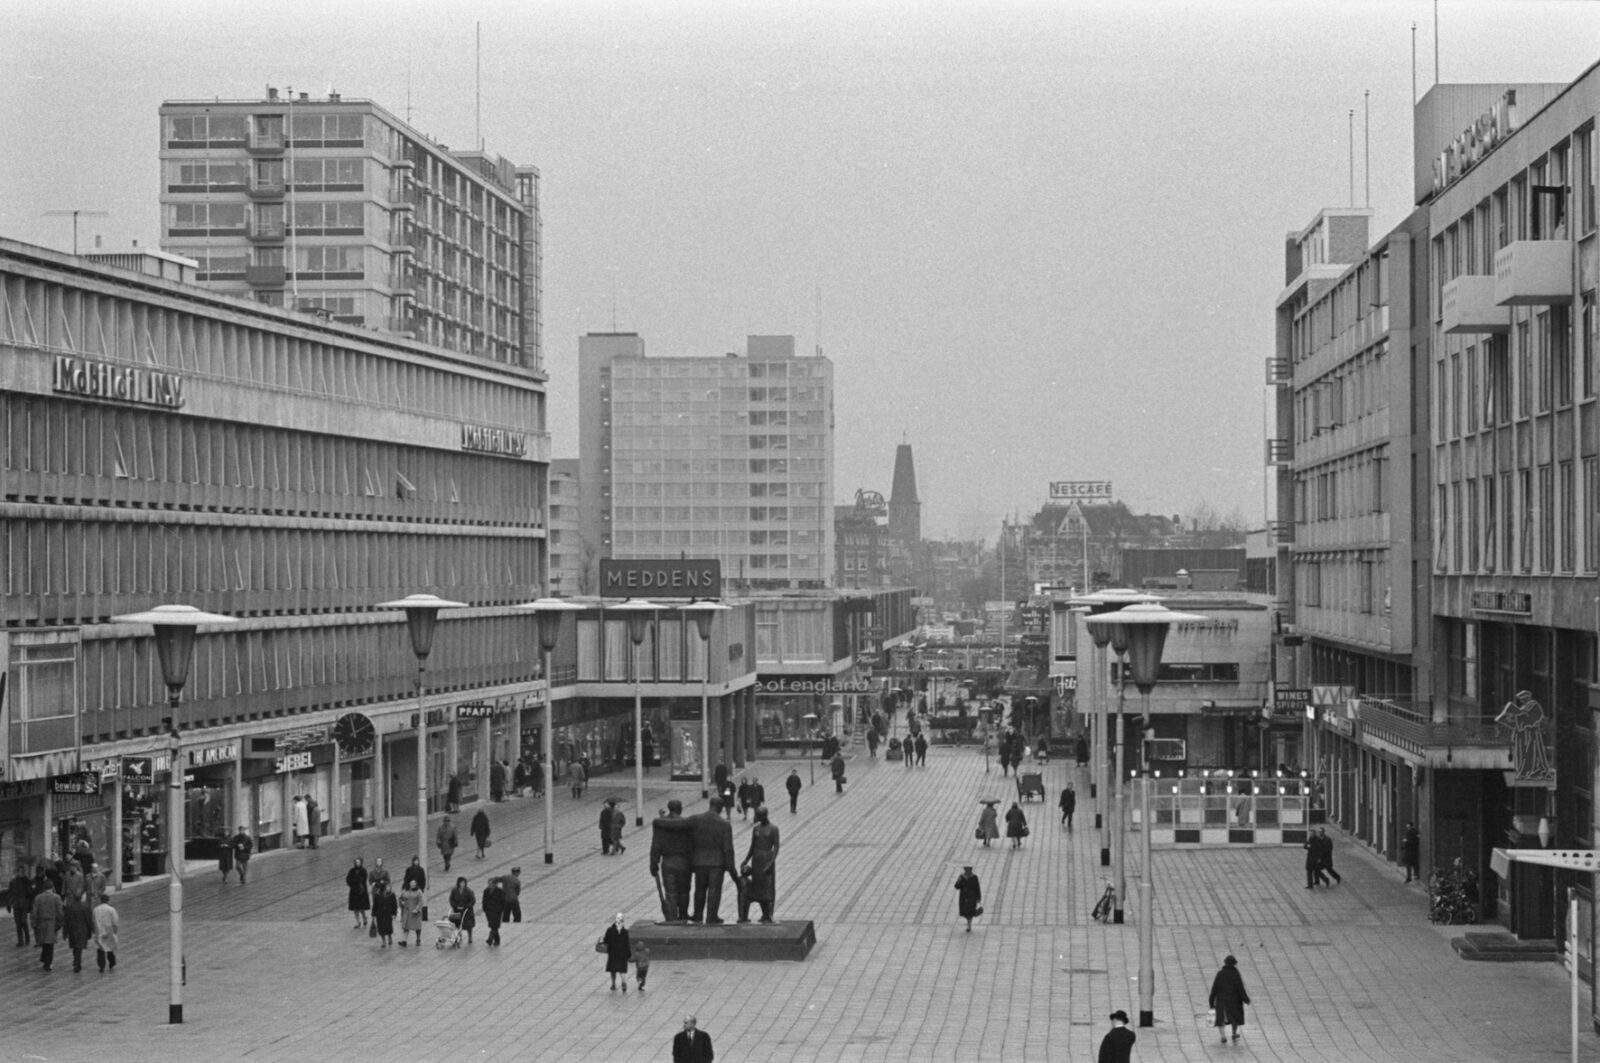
column 1040, row 241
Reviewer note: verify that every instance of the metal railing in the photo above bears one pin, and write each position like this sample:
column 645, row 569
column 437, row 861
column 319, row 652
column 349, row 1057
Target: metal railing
column 1415, row 730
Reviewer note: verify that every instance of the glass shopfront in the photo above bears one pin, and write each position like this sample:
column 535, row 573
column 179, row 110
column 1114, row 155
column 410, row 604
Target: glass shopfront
column 606, row 744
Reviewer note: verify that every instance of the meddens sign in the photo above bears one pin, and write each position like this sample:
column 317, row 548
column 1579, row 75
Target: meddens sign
column 684, row 578
column 1080, row 489
column 99, row 380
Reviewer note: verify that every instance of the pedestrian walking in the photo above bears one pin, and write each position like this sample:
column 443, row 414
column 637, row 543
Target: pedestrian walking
column 19, row 897
column 494, row 910
column 908, row 751
column 743, row 795
column 302, row 821
column 462, row 903
column 452, row 794
column 969, row 896
column 1314, row 875
column 618, row 952
column 445, row 839
column 1228, row 998
column 77, row 926
column 1117, row 1045
column 692, row 1044
column 988, row 824
column 1080, row 751
column 415, row 875
column 575, row 778
column 922, row 750
column 836, row 765
column 497, row 781
column 1411, row 851
column 378, row 874
column 619, row 820
column 243, row 846
column 872, row 743
column 1016, row 825
column 512, row 884
column 106, row 926
column 313, row 821
column 480, row 831
column 1069, row 805
column 641, row 964
column 224, row 856
column 46, row 916
column 793, row 785
column 728, row 792
column 1325, row 854
column 410, row 910
column 605, row 825
column 359, row 901
column 71, row 881
column 385, row 906
column 758, row 793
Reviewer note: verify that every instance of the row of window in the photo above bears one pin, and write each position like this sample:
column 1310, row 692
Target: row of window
column 1350, row 487
column 703, row 415
column 1361, row 293
column 80, row 571
column 657, row 514
column 78, row 450
column 651, row 398
column 234, row 130
column 1358, row 583
column 1358, row 388
column 732, row 368
column 36, row 313
column 1523, row 522
column 1503, row 378
column 702, row 488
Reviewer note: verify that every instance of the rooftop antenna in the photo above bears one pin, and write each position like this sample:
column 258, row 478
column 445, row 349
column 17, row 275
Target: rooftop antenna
column 477, row 90
column 818, row 343
column 74, row 215
column 1366, row 150
column 1413, row 62
column 1436, row 42
column 408, row 78
column 1352, row 156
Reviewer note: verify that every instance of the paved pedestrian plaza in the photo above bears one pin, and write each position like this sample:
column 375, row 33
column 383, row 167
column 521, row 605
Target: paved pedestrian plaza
column 276, row 972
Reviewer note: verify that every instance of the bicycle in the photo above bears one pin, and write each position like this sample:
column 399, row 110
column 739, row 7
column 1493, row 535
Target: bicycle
column 1102, row 908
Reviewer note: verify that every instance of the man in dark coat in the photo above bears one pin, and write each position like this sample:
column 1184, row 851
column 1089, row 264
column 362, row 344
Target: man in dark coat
column 872, row 743
column 922, row 750
column 1410, row 852
column 713, row 858
column 1325, row 855
column 969, row 896
column 20, row 897
column 497, row 781
column 494, row 909
column 47, row 914
column 314, row 818
column 243, row 845
column 837, row 767
column 605, row 825
column 1314, row 874
column 672, row 860
column 1228, row 997
column 77, row 926
column 1117, row 1046
column 692, row 1045
column 1069, row 805
column 793, row 785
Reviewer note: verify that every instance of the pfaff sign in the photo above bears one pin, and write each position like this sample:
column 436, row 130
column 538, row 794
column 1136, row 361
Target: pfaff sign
column 99, row 380
column 687, row 578
column 1080, row 489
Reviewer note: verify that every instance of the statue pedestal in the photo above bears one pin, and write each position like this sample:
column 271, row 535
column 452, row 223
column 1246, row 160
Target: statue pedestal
column 788, row 939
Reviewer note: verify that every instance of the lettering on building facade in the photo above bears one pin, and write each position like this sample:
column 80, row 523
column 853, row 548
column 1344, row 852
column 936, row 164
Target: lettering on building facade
column 486, row 440
column 689, row 578
column 1080, row 489
column 100, row 380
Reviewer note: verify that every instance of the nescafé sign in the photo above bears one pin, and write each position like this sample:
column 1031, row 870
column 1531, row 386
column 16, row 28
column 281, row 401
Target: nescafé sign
column 683, row 578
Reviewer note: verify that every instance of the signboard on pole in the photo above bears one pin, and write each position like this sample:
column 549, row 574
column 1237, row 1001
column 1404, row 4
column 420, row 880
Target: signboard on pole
column 674, row 578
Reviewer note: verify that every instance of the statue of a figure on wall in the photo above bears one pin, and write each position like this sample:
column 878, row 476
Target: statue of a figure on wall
column 1527, row 721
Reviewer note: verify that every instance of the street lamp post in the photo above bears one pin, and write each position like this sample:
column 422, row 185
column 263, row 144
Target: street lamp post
column 703, row 613
column 547, row 611
column 639, row 613
column 811, row 737
column 175, row 627
column 1142, row 630
column 422, row 616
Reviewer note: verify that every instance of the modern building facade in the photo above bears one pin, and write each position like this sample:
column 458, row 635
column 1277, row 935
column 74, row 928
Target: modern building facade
column 728, row 458
column 167, row 444
column 338, row 208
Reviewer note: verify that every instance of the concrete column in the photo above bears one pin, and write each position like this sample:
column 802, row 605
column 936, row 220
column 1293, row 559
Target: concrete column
column 241, row 796
column 713, row 752
column 333, row 796
column 116, row 830
column 380, row 784
column 452, row 755
column 286, row 811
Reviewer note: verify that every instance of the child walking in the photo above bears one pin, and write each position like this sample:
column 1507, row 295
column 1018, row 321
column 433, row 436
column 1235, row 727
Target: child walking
column 641, row 964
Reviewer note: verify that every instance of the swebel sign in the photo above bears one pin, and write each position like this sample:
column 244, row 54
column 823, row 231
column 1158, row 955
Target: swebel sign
column 683, row 578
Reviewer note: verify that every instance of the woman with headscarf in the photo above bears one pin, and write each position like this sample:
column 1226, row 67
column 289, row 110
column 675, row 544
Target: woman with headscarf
column 988, row 824
column 385, row 905
column 1016, row 825
column 618, row 952
column 462, row 902
column 355, row 881
column 1228, row 997
column 410, row 910
column 969, row 895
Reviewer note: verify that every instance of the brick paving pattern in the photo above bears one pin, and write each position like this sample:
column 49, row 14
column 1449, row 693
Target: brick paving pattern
column 276, row 973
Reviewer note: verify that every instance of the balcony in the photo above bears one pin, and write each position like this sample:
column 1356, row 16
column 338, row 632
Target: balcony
column 1474, row 743
column 265, row 188
column 1470, row 307
column 265, row 142
column 1533, row 273
column 265, row 276
column 266, row 232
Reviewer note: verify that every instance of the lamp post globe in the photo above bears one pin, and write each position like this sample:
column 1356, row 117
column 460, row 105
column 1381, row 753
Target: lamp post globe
column 175, row 627
column 547, row 613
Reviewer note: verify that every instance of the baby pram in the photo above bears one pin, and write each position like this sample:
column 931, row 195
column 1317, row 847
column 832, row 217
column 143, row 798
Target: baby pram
column 449, row 929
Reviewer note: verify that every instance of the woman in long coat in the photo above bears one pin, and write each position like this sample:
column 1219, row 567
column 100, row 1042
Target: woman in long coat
column 355, row 881
column 480, row 831
column 969, row 895
column 411, row 911
column 763, row 862
column 385, row 905
column 463, row 900
column 1228, row 997
column 618, row 952
column 988, row 824
column 1016, row 825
